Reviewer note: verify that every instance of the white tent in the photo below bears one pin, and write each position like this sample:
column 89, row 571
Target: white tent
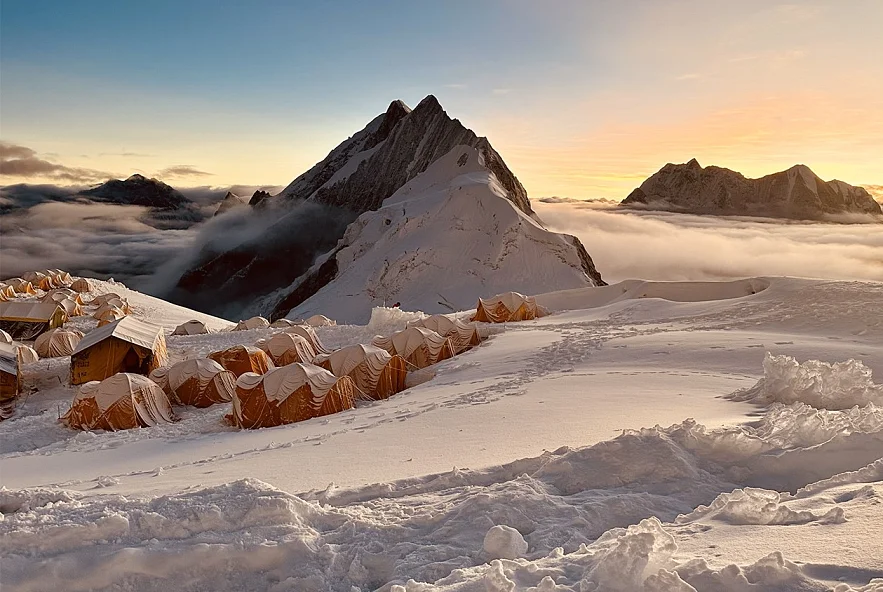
column 191, row 328
column 320, row 321
column 252, row 323
column 5, row 337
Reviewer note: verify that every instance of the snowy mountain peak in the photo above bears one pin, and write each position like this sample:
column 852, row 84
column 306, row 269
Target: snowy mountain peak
column 794, row 193
column 138, row 190
column 445, row 238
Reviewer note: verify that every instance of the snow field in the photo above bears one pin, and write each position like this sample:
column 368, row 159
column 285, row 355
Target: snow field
column 780, row 491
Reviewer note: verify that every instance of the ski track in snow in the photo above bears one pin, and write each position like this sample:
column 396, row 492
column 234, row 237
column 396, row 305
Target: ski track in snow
column 750, row 495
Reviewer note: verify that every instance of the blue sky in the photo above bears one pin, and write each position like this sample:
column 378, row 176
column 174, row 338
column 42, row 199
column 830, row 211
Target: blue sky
column 582, row 98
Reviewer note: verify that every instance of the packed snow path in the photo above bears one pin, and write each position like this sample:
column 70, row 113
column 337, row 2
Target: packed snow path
column 572, row 379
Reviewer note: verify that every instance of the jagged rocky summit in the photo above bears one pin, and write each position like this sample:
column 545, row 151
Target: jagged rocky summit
column 795, row 193
column 231, row 201
column 273, row 270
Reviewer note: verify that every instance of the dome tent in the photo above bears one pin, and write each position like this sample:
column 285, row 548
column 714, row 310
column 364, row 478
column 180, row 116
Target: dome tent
column 287, row 348
column 200, row 383
column 320, row 321
column 420, row 347
column 252, row 323
column 57, row 343
column 374, row 371
column 507, row 307
column 193, row 327
column 308, row 333
column 240, row 359
column 293, row 393
column 462, row 335
column 123, row 401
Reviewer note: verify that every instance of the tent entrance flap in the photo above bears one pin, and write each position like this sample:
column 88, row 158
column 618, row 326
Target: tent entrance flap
column 107, row 358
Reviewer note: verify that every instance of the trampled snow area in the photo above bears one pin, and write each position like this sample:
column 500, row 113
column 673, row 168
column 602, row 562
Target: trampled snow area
column 535, row 461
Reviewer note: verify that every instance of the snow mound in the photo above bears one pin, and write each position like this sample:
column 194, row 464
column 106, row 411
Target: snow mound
column 504, row 542
column 386, row 321
column 819, row 384
column 759, row 506
column 25, row 500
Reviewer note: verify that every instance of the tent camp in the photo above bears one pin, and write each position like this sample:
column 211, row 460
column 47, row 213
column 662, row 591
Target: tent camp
column 120, row 402
column 10, row 373
column 376, row 374
column 200, row 383
column 26, row 320
column 462, row 335
column 320, row 321
column 419, row 346
column 191, row 328
column 292, row 393
column 5, row 337
column 507, row 307
column 126, row 345
column 7, row 292
column 287, row 348
column 57, row 342
column 310, row 335
column 26, row 355
column 252, row 323
column 81, row 285
column 240, row 359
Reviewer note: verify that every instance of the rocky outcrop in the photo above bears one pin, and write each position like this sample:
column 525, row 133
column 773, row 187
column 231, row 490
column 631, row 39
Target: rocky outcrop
column 307, row 218
column 138, row 190
column 794, row 193
column 231, row 201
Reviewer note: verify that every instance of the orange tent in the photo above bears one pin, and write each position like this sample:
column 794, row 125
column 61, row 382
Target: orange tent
column 191, row 328
column 419, row 346
column 121, row 402
column 26, row 320
column 240, row 359
column 200, row 383
column 126, row 345
column 507, row 307
column 292, row 393
column 252, row 323
column 287, row 348
column 374, row 371
column 308, row 333
column 81, row 285
column 462, row 335
column 57, row 343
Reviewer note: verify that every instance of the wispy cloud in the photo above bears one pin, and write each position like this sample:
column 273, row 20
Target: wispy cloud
column 23, row 162
column 183, row 170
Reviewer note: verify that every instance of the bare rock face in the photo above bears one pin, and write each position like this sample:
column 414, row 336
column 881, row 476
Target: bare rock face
column 309, row 216
column 794, row 193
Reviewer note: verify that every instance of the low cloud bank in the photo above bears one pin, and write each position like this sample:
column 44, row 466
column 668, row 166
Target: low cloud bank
column 629, row 244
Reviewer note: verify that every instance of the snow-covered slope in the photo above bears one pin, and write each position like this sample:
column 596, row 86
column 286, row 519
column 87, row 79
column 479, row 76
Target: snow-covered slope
column 780, row 491
column 794, row 193
column 447, row 237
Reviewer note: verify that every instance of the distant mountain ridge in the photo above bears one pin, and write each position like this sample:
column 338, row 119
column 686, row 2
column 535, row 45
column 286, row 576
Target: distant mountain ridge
column 795, row 193
column 138, row 190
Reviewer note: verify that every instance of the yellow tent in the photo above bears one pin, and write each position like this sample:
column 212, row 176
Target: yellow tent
column 126, row 345
column 10, row 373
column 26, row 320
column 508, row 307
column 121, row 402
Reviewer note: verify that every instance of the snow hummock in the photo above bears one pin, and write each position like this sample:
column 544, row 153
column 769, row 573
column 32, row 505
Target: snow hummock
column 446, row 238
column 822, row 385
column 504, row 542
